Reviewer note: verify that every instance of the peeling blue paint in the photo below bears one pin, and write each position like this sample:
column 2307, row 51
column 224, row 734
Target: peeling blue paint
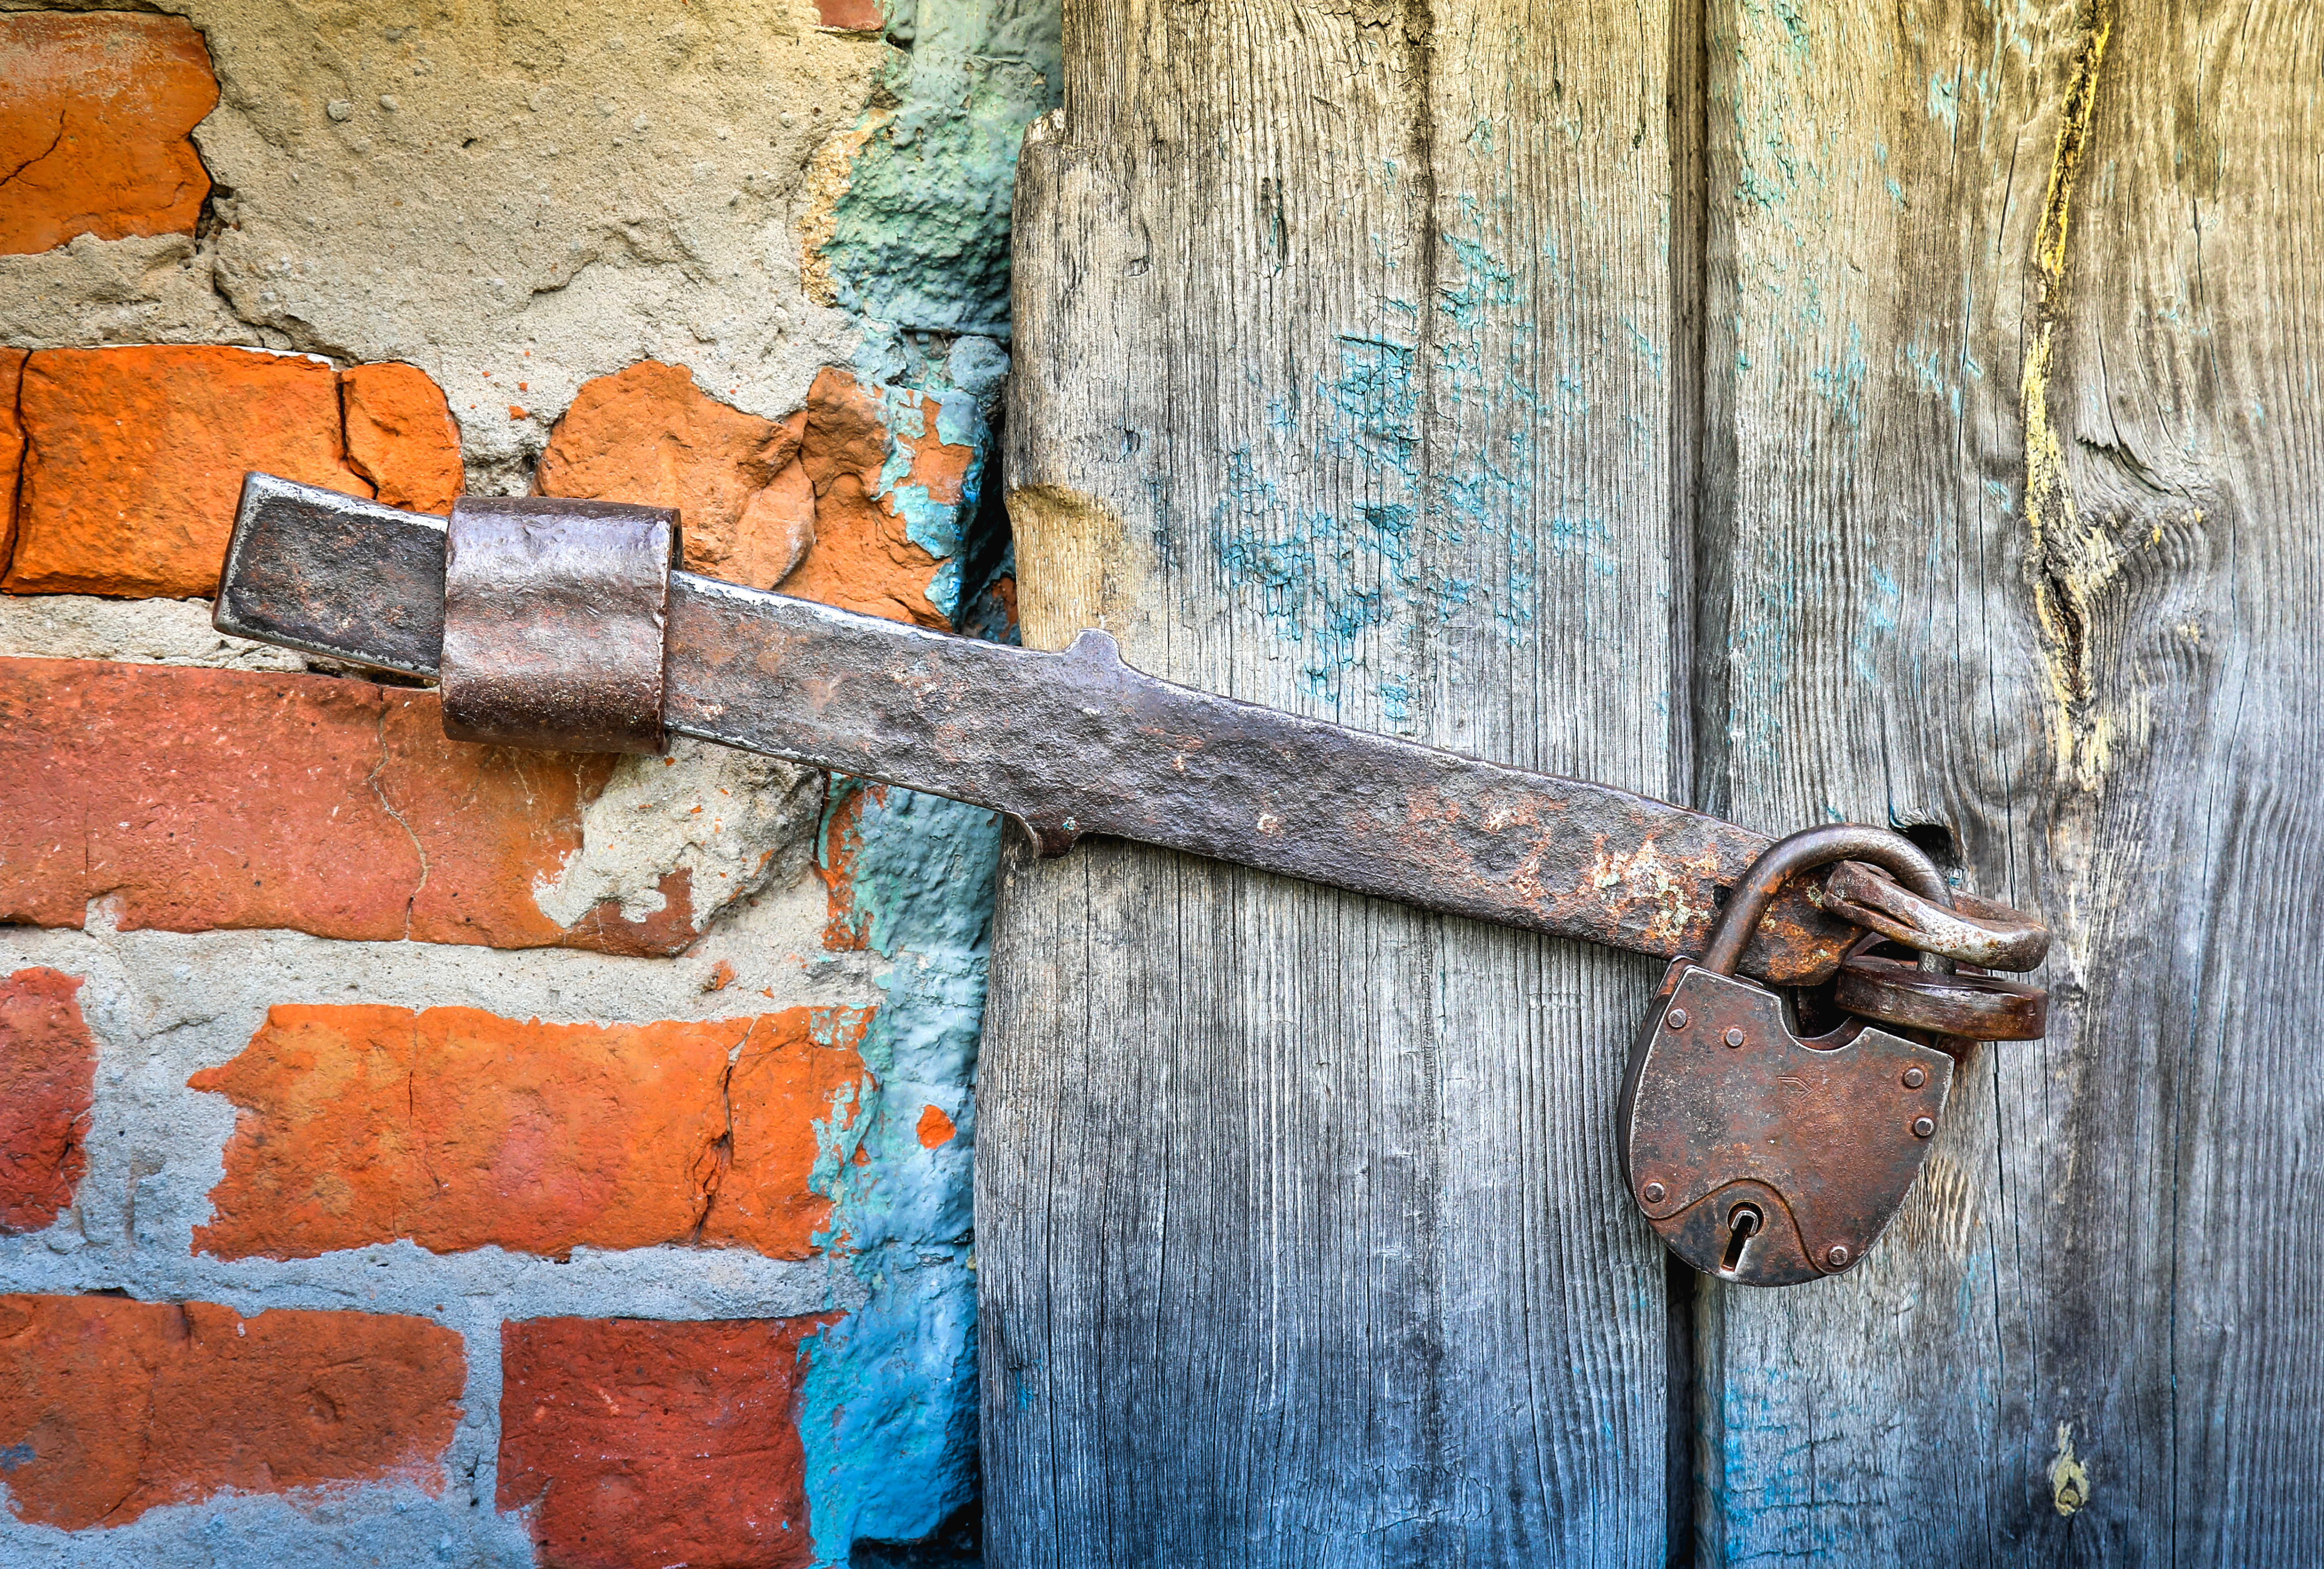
column 1879, row 626
column 887, row 1405
column 920, row 251
column 1944, row 102
column 920, row 240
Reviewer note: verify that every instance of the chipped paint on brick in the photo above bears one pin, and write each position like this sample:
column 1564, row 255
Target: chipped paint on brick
column 727, row 820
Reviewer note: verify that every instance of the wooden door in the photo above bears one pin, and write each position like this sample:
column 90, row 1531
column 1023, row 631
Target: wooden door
column 1836, row 411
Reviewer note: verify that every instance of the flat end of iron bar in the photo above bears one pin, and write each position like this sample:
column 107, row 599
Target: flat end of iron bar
column 333, row 574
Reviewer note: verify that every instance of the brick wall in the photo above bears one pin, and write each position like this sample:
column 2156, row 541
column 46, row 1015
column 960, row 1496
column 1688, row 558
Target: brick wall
column 415, row 1153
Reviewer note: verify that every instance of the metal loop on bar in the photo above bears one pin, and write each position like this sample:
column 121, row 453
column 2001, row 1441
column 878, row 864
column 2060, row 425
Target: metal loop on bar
column 1973, row 931
column 554, row 613
column 1805, row 851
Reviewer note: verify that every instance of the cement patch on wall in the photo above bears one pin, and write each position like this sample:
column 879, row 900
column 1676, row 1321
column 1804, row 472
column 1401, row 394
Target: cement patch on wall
column 514, row 197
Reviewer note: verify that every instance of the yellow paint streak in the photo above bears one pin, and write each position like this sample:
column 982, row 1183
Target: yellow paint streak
column 1074, row 568
column 828, row 180
column 2070, row 1479
column 2074, row 560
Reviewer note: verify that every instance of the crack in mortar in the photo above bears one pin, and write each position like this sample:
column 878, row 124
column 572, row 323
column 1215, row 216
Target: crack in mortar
column 2072, row 562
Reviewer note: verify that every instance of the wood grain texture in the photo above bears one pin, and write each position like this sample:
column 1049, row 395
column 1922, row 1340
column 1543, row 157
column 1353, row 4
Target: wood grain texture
column 1342, row 340
column 2012, row 526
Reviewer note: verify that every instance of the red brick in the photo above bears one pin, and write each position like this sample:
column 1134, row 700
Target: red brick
column 634, row 1443
column 128, row 1405
column 648, row 435
column 850, row 15
column 198, row 800
column 94, row 116
column 460, row 1130
column 48, row 1076
column 400, row 435
column 11, row 447
column 135, row 458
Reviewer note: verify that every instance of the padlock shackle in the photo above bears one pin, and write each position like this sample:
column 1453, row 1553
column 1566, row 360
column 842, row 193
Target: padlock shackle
column 1803, row 852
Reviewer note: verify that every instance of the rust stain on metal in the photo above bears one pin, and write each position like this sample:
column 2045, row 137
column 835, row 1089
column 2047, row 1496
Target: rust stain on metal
column 553, row 623
column 1968, row 930
column 1965, row 1005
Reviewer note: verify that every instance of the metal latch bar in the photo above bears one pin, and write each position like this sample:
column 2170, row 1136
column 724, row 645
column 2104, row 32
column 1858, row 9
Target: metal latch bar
column 1073, row 743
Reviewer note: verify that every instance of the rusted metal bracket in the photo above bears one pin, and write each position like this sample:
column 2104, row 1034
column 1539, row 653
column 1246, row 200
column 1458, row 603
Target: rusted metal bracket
column 554, row 622
column 1070, row 745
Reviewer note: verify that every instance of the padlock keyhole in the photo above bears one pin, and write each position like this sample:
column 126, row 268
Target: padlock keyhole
column 1743, row 1223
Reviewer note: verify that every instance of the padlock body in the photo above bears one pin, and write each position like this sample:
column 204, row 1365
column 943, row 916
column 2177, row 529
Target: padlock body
column 1730, row 1124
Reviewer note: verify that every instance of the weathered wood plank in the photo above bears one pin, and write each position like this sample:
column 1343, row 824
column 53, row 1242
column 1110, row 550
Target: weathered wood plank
column 1342, row 342
column 2013, row 447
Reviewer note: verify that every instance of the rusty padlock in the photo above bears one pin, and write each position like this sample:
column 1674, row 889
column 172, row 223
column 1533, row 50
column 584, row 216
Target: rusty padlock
column 1761, row 1157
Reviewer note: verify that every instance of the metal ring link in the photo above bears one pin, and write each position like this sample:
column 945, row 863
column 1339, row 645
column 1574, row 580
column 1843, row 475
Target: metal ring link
column 1973, row 1007
column 1974, row 931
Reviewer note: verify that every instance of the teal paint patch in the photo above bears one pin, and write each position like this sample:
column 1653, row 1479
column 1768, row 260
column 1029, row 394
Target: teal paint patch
column 1426, row 538
column 1378, row 407
column 1842, row 384
column 887, row 1405
column 920, row 240
column 919, row 250
column 1878, row 627
column 1944, row 102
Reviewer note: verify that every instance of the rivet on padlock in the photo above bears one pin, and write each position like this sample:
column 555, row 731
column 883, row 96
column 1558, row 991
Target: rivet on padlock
column 1785, row 1162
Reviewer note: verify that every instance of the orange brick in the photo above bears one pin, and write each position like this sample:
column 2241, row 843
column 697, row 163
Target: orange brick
column 48, row 1077
column 850, row 15
column 491, row 821
column 637, row 1443
column 94, row 116
column 935, row 1128
column 461, row 1130
column 209, row 800
column 11, row 447
column 110, row 1407
column 134, row 458
column 787, row 505
column 648, row 435
column 401, row 438
column 863, row 558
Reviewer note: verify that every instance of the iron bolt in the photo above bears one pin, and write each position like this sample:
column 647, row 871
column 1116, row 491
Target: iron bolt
column 1734, row 1037
column 1923, row 1127
column 1677, row 1019
column 1654, row 1193
column 1837, row 1257
column 1914, row 1078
